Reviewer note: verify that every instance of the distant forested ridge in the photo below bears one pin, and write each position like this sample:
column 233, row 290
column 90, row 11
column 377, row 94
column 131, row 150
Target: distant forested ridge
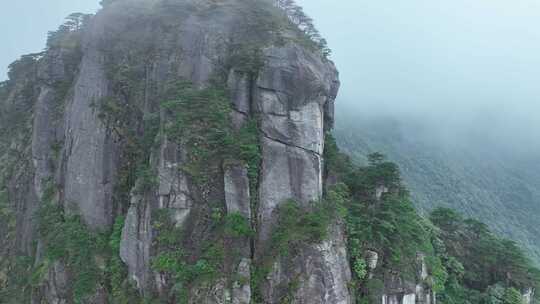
column 500, row 187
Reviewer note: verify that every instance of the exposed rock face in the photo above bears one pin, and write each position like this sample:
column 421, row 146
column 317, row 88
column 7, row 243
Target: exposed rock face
column 380, row 190
column 372, row 260
column 291, row 96
column 137, row 242
column 237, row 196
column 90, row 148
column 241, row 291
column 399, row 291
column 319, row 272
column 55, row 290
column 528, row 296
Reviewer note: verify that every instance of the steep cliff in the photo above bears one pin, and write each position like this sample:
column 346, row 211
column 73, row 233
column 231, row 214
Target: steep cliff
column 170, row 132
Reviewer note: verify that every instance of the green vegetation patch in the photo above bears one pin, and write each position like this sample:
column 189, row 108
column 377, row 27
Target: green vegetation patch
column 188, row 267
column 296, row 227
column 200, row 121
column 481, row 263
column 67, row 239
column 380, row 217
column 466, row 262
column 91, row 259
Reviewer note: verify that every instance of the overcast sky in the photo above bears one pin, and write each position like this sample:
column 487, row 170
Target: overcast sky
column 463, row 60
column 24, row 25
column 468, row 63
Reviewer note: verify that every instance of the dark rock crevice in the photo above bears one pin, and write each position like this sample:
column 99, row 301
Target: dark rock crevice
column 290, row 145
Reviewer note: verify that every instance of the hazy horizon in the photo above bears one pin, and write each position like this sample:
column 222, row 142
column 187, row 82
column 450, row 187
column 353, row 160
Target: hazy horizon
column 453, row 64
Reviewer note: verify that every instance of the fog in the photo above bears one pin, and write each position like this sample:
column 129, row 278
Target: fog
column 463, row 68
column 460, row 67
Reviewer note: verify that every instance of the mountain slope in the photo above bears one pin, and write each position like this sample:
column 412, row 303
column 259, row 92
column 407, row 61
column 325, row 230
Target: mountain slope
column 498, row 187
column 145, row 153
column 180, row 151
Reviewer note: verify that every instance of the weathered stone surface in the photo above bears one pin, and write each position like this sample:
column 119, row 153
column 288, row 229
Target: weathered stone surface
column 241, row 290
column 43, row 138
column 422, row 269
column 291, row 96
column 173, row 190
column 240, row 86
column 400, row 291
column 528, row 295
column 136, row 243
column 90, row 148
column 399, row 299
column 395, row 285
column 372, row 259
column 222, row 291
column 424, row 295
column 287, row 172
column 56, row 288
column 380, row 190
column 24, row 199
column 237, row 195
column 318, row 274
column 409, row 299
column 215, row 293
column 327, row 280
column 392, row 299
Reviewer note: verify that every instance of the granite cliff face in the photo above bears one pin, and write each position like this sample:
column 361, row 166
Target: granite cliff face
column 78, row 152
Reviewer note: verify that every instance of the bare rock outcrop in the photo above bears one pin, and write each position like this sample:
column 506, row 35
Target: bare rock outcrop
column 90, row 101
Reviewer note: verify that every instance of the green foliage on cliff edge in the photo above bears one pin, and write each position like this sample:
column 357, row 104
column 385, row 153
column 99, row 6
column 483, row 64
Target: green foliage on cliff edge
column 188, row 268
column 485, row 260
column 15, row 116
column 466, row 262
column 381, row 218
column 200, row 122
column 473, row 177
column 272, row 23
column 297, row 226
column 121, row 289
column 67, row 240
column 199, row 119
column 92, row 258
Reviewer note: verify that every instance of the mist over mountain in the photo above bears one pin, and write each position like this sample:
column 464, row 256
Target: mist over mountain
column 468, row 70
column 465, row 68
column 448, row 90
column 475, row 174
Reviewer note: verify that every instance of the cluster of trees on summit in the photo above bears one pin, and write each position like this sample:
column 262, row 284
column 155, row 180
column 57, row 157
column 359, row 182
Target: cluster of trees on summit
column 304, row 23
